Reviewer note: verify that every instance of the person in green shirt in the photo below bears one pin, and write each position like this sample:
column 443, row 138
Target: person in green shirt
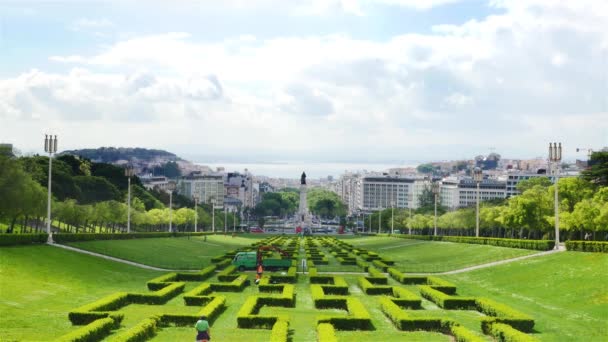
column 202, row 330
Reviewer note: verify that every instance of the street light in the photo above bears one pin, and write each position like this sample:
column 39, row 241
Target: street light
column 435, row 188
column 478, row 177
column 225, row 219
column 555, row 157
column 195, row 197
column 170, row 188
column 129, row 172
column 379, row 220
column 50, row 147
column 392, row 217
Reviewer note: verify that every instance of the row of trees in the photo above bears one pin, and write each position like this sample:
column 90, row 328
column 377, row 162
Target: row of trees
column 87, row 197
column 583, row 208
column 321, row 202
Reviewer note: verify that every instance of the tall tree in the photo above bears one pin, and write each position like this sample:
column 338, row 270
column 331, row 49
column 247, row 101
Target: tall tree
column 597, row 172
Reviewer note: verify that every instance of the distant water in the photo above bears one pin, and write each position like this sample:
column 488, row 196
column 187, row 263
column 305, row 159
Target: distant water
column 294, row 169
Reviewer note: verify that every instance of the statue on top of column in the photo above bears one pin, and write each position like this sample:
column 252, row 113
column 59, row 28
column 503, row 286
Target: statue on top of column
column 303, row 179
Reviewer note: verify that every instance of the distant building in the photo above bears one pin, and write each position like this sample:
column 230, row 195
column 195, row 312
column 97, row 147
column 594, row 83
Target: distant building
column 462, row 192
column 209, row 188
column 152, row 182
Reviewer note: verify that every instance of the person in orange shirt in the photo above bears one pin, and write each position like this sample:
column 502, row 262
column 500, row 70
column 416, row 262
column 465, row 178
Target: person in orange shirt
column 259, row 272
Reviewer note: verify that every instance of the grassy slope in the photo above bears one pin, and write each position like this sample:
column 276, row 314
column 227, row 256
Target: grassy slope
column 426, row 256
column 40, row 284
column 171, row 253
column 566, row 293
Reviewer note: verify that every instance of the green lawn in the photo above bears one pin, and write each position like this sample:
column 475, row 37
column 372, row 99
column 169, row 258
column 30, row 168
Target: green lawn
column 40, row 284
column 566, row 293
column 430, row 256
column 171, row 253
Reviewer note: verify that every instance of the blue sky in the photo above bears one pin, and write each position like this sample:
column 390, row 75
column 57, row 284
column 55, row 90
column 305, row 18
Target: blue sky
column 333, row 80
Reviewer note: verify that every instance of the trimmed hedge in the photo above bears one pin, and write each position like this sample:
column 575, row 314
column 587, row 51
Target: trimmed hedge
column 290, row 277
column 541, row 245
column 506, row 333
column 441, row 285
column 237, row 285
column 196, row 296
column 371, row 289
column 226, row 274
column 157, row 297
column 98, row 309
column 280, row 331
column 248, row 317
column 364, row 265
column 402, row 320
column 94, row 331
column 358, row 318
column 160, row 282
column 326, row 333
column 22, row 239
column 223, row 263
column 462, row 334
column 587, row 246
column 142, row 331
column 503, row 314
column 405, row 298
column 198, row 276
column 381, row 265
column 69, row 237
column 405, row 279
column 212, row 310
column 446, row 301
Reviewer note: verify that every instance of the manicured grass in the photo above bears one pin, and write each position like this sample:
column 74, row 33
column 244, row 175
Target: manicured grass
column 172, row 253
column 39, row 285
column 431, row 256
column 566, row 293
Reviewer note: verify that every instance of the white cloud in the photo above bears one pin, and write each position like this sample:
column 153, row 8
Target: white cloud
column 91, row 24
column 538, row 62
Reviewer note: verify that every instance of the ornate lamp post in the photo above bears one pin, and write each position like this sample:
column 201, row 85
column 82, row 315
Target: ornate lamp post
column 392, row 217
column 435, row 188
column 129, row 172
column 170, row 188
column 555, row 157
column 196, row 198
column 50, row 147
column 478, row 177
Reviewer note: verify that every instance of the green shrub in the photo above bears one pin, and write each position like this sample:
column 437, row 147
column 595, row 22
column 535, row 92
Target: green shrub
column 378, row 263
column 22, row 239
column 223, row 263
column 372, row 289
column 157, row 297
column 406, row 298
column 312, row 272
column 143, row 331
column 542, row 245
column 198, row 276
column 196, row 296
column 237, row 285
column 326, row 333
column 503, row 314
column 441, row 285
column 462, row 334
column 94, row 331
column 98, row 309
column 587, row 246
column 160, row 282
column 280, row 331
column 446, row 301
column 358, row 318
column 364, row 265
column 506, row 333
column 226, row 274
column 405, row 279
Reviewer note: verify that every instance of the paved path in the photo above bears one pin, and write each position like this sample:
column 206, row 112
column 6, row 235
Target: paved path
column 466, row 269
column 117, row 259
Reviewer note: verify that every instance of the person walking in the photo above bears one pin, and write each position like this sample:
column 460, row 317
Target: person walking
column 202, row 330
column 259, row 272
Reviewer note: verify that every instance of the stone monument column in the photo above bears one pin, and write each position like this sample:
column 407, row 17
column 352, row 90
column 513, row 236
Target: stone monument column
column 304, row 219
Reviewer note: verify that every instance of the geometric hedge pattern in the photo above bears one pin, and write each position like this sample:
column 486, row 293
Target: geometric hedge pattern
column 402, row 303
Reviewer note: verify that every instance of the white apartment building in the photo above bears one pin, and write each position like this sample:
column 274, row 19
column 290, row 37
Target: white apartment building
column 151, row 182
column 209, row 188
column 512, row 179
column 242, row 187
column 462, row 192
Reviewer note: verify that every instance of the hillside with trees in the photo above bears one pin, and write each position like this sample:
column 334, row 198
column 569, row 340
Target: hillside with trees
column 114, row 154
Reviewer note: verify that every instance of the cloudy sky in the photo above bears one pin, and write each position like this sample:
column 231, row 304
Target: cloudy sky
column 315, row 80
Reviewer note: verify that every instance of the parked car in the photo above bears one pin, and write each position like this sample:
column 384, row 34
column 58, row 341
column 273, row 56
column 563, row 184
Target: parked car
column 256, row 230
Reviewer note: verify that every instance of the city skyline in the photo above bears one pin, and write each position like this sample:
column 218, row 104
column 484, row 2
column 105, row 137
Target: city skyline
column 322, row 81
